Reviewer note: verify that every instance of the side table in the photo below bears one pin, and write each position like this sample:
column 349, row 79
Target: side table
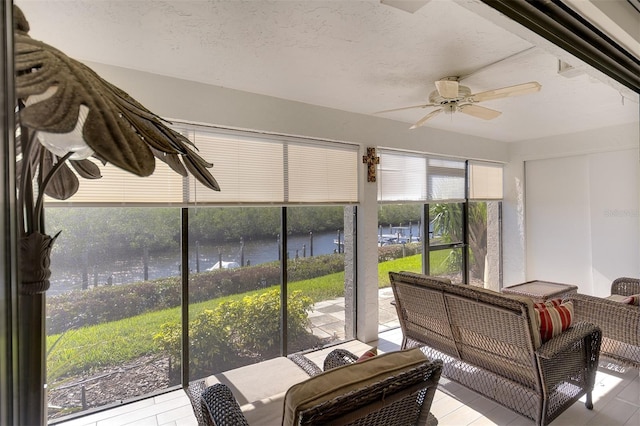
column 541, row 291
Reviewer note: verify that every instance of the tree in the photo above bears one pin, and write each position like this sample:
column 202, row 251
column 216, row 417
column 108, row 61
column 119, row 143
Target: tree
column 447, row 222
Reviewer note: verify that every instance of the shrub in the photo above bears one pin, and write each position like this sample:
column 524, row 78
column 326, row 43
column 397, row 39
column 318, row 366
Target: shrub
column 237, row 332
column 80, row 308
column 254, row 321
column 397, row 251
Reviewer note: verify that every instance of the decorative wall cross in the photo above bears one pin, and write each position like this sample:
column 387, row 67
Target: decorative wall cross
column 371, row 160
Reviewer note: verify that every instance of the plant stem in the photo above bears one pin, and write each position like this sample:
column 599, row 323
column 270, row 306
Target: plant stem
column 43, row 185
column 27, row 139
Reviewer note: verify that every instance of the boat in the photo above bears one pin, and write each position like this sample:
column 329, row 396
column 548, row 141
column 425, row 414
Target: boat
column 398, row 235
column 225, row 265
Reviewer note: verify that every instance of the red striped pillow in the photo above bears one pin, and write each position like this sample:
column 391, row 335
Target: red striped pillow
column 634, row 299
column 553, row 317
column 368, row 354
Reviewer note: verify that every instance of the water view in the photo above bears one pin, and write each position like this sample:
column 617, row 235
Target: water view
column 68, row 275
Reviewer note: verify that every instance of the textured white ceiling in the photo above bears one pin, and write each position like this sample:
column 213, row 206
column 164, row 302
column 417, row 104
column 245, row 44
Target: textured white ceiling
column 358, row 56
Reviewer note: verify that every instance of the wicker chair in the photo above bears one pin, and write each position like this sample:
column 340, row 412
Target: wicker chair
column 399, row 398
column 625, row 286
column 620, row 323
column 489, row 343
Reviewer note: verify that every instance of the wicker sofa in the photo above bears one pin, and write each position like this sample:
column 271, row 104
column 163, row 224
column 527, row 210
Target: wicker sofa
column 395, row 388
column 490, row 342
column 620, row 323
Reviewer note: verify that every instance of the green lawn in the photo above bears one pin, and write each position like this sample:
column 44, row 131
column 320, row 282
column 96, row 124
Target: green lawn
column 119, row 341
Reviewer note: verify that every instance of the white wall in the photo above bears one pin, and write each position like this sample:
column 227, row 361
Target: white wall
column 575, row 201
column 615, row 222
column 558, row 244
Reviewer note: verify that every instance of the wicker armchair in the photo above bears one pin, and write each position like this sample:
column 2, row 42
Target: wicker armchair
column 620, row 323
column 625, row 286
column 399, row 397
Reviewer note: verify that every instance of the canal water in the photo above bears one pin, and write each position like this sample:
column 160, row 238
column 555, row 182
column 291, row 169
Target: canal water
column 69, row 274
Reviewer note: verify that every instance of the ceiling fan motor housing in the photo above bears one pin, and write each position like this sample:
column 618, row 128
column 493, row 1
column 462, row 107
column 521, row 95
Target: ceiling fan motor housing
column 463, row 93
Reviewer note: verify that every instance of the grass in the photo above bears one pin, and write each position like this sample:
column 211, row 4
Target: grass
column 116, row 342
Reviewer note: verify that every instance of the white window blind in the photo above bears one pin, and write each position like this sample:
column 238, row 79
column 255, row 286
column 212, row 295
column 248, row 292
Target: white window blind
column 250, row 168
column 485, row 181
column 402, row 177
column 446, row 179
column 117, row 186
column 247, row 169
column 321, row 173
column 416, row 177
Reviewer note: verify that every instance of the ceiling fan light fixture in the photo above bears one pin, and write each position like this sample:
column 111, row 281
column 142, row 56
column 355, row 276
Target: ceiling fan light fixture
column 450, row 108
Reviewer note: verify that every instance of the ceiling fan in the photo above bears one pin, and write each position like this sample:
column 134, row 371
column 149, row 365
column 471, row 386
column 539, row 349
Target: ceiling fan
column 450, row 96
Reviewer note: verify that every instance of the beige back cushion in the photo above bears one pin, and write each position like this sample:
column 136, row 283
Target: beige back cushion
column 341, row 380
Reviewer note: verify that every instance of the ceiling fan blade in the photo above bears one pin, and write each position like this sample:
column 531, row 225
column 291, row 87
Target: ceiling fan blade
column 425, row 118
column 479, row 111
column 448, row 89
column 519, row 89
column 403, row 108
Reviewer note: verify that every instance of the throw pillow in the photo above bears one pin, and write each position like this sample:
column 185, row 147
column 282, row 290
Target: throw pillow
column 553, row 317
column 368, row 354
column 634, row 299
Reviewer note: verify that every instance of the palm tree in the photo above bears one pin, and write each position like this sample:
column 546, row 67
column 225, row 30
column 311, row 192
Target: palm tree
column 448, row 222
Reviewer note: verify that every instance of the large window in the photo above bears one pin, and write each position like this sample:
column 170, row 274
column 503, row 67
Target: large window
column 320, row 270
column 460, row 207
column 160, row 282
column 446, row 252
column 400, row 247
column 114, row 284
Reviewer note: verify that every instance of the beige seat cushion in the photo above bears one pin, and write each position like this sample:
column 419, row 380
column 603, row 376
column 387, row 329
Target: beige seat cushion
column 260, row 388
column 341, row 380
column 616, row 297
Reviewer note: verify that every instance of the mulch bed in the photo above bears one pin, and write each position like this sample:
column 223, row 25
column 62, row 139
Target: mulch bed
column 110, row 385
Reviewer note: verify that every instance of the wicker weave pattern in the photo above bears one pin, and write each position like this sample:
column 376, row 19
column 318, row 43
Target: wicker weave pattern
column 423, row 312
column 620, row 324
column 194, row 390
column 625, row 286
column 306, row 364
column 495, row 352
column 338, row 358
column 221, row 407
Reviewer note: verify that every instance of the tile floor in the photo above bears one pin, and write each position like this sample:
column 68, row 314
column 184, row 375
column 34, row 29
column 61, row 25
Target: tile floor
column 616, row 395
column 616, row 401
